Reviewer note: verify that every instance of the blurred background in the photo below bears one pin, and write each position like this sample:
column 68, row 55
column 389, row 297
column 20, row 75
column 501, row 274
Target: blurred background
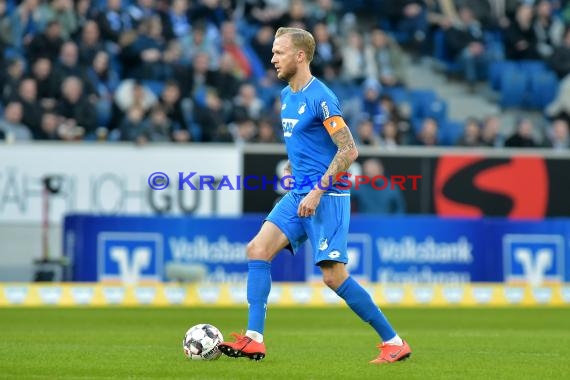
column 472, row 96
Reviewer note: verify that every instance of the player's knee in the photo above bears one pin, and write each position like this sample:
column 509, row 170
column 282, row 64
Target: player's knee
column 334, row 274
column 332, row 279
column 256, row 251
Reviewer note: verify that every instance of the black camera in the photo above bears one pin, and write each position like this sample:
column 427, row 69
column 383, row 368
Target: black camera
column 53, row 183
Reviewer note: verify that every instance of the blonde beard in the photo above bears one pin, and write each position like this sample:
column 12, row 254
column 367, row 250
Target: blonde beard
column 286, row 76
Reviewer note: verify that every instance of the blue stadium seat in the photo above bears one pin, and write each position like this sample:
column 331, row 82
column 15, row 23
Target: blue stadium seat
column 420, row 98
column 450, row 131
column 543, row 87
column 532, row 66
column 513, row 88
column 496, row 70
column 399, row 94
column 426, row 103
column 416, row 123
column 436, row 109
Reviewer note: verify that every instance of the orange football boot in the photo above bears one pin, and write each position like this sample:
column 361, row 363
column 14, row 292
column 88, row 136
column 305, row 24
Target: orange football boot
column 243, row 346
column 390, row 353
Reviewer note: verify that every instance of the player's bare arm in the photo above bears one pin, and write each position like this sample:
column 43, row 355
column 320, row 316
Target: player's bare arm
column 345, row 156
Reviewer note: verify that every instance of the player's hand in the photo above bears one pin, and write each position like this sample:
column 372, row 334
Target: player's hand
column 309, row 204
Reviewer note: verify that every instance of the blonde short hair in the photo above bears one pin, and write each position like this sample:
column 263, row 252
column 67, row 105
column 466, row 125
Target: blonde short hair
column 301, row 39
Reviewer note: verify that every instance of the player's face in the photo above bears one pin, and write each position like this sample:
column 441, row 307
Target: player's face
column 284, row 58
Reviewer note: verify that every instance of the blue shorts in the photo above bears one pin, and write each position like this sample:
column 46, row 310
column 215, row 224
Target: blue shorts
column 327, row 230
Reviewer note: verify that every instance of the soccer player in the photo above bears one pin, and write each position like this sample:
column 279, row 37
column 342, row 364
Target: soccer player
column 319, row 147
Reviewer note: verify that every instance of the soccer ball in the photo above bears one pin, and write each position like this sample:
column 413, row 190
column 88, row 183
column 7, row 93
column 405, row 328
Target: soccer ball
column 201, row 342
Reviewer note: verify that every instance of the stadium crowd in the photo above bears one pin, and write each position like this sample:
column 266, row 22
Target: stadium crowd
column 182, row 70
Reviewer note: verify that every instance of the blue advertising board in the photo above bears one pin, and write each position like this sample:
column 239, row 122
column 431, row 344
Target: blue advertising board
column 381, row 249
column 131, row 249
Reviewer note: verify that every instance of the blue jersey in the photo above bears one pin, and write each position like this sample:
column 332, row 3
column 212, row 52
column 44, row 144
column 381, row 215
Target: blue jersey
column 309, row 117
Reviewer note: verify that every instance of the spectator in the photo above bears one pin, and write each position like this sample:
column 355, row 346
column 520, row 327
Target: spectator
column 47, row 44
column 210, row 117
column 49, row 127
column 231, row 45
column 560, row 106
column 212, row 12
column 328, row 12
column 523, row 137
column 84, row 13
column 259, row 13
column 297, row 15
column 327, row 60
column 354, row 63
column 266, row 132
column 490, row 135
column 389, row 136
column 113, row 21
column 47, row 83
column 366, row 134
column 140, row 10
column 409, row 17
column 441, row 13
column 560, row 59
column 465, row 41
column 520, row 37
column 131, row 127
column 144, row 55
column 10, row 79
column 157, row 128
column 89, row 43
column 68, row 66
column 247, row 103
column 226, row 81
column 199, row 41
column 428, row 134
column 386, row 199
column 393, row 113
column 5, row 32
column 171, row 105
column 559, row 135
column 371, row 108
column 243, row 130
column 79, row 114
column 23, row 24
column 547, row 28
column 63, row 12
column 262, row 44
column 482, row 11
column 176, row 21
column 129, row 94
column 384, row 60
column 471, row 135
column 11, row 124
column 28, row 96
column 104, row 81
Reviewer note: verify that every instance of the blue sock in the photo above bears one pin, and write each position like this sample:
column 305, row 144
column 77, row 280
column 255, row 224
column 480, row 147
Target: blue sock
column 258, row 287
column 361, row 303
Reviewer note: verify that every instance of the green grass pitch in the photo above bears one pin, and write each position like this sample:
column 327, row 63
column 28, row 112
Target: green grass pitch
column 302, row 343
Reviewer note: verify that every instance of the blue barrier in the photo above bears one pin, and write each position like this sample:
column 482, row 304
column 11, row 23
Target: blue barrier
column 381, row 249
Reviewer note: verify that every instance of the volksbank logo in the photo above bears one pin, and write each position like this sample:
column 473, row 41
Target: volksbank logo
column 533, row 259
column 129, row 257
